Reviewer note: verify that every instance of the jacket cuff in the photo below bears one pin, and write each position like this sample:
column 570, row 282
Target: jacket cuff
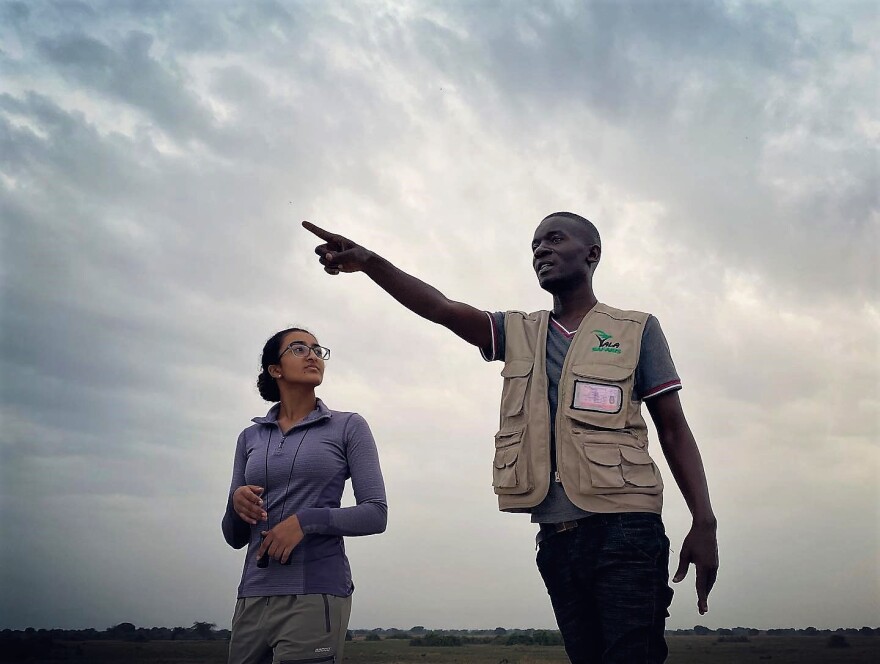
column 314, row 519
column 235, row 531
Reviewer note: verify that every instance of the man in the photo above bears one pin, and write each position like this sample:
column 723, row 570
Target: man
column 572, row 447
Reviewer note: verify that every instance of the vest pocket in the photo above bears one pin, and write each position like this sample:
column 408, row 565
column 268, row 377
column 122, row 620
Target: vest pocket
column 599, row 396
column 509, row 471
column 638, row 467
column 516, row 375
column 604, row 467
column 612, row 468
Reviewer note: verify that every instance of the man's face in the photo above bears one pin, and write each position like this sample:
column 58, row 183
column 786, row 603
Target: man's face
column 562, row 253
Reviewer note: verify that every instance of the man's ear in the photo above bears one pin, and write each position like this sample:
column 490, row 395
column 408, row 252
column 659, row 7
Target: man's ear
column 594, row 256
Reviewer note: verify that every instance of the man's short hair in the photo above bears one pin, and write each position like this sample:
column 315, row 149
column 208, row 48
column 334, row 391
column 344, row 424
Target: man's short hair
column 591, row 232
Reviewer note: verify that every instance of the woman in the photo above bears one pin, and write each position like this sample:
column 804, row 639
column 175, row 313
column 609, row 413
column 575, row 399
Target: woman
column 290, row 468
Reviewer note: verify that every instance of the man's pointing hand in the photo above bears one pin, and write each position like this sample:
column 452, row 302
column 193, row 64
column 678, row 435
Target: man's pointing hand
column 338, row 253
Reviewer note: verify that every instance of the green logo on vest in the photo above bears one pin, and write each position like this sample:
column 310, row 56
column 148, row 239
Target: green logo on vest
column 605, row 344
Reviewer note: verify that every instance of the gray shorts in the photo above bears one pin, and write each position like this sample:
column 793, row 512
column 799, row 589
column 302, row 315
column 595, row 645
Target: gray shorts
column 286, row 629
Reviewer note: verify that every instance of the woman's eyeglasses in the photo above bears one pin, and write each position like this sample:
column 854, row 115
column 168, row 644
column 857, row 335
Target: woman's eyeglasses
column 299, row 349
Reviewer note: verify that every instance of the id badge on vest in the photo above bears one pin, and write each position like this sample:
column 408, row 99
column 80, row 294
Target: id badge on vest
column 597, row 397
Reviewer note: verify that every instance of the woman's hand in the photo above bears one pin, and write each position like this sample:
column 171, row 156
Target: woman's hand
column 247, row 503
column 280, row 542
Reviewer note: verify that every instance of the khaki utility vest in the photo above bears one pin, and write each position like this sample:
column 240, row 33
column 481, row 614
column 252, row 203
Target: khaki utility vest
column 601, row 438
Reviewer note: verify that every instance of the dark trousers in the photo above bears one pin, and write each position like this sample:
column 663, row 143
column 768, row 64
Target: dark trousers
column 608, row 583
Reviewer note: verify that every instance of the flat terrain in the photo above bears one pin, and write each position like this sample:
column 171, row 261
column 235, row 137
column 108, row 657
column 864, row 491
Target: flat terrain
column 682, row 650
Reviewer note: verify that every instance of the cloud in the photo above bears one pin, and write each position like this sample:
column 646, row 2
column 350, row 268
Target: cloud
column 131, row 75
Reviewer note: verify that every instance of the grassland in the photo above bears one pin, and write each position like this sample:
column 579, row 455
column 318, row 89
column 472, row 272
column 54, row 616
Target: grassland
column 682, row 650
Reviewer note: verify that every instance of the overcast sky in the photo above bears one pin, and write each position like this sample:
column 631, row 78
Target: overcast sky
column 156, row 159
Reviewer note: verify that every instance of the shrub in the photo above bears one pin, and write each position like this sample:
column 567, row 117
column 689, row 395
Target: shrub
column 837, row 641
column 436, row 640
column 544, row 638
column 373, row 637
column 735, row 638
column 520, row 640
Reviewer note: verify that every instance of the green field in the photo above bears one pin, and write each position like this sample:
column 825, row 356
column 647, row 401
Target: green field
column 682, row 650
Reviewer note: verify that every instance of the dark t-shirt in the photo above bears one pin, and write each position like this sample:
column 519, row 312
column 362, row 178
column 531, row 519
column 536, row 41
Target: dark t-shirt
column 655, row 374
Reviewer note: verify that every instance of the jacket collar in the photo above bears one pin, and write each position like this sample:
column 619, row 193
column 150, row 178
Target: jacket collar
column 321, row 412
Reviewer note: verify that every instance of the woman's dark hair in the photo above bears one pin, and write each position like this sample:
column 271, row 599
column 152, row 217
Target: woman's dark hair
column 266, row 385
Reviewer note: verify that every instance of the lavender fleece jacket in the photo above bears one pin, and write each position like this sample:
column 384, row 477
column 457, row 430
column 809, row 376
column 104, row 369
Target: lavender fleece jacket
column 303, row 472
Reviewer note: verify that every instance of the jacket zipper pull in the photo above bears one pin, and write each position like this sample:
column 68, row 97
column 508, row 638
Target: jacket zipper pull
column 556, row 477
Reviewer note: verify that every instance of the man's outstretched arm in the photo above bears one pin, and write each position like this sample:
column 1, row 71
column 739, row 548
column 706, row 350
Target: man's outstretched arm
column 700, row 546
column 339, row 254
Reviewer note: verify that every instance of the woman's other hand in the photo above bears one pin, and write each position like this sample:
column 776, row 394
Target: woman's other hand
column 248, row 505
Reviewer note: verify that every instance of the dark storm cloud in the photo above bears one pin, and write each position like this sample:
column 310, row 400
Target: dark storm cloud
column 129, row 73
column 621, row 60
column 98, row 272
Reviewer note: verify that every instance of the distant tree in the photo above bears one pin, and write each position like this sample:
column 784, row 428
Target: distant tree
column 868, row 630
column 519, row 639
column 443, row 640
column 203, row 630
column 500, row 631
column 811, row 631
column 418, row 629
column 545, row 638
column 177, row 633
column 372, row 636
column 437, row 640
column 702, row 631
column 160, row 633
column 124, row 631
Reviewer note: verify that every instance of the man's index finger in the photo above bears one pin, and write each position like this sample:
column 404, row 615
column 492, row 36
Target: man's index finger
column 320, row 232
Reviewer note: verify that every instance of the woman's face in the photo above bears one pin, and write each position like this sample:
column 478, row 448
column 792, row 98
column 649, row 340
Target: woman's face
column 290, row 368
